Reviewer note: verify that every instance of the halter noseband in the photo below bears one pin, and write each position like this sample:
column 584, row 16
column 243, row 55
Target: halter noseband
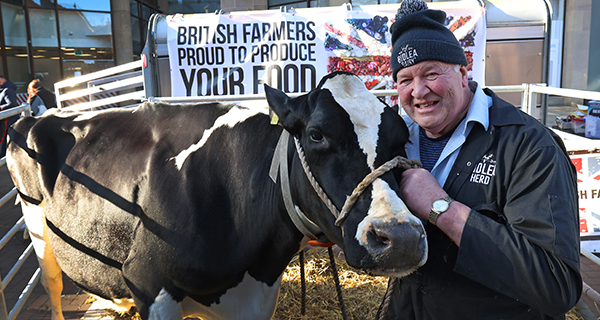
column 296, row 215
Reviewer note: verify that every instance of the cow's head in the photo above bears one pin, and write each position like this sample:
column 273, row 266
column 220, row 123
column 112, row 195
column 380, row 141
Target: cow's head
column 346, row 133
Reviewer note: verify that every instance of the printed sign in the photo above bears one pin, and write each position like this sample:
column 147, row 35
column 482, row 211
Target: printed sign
column 588, row 187
column 236, row 53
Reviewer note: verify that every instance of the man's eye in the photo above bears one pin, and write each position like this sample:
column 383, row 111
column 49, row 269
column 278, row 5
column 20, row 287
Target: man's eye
column 431, row 76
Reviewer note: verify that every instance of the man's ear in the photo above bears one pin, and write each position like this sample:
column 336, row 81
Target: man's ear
column 464, row 72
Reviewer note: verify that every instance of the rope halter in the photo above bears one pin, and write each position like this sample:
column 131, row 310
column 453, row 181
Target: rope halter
column 398, row 161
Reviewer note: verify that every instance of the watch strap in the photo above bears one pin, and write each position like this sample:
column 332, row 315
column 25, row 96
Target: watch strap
column 434, row 214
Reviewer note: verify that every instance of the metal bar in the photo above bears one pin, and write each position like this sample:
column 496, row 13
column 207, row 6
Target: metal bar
column 87, row 106
column 514, row 88
column 572, row 93
column 95, row 75
column 3, row 308
column 590, row 255
column 245, row 97
column 13, row 271
column 14, row 111
column 25, row 294
column 379, row 93
column 11, row 232
column 116, row 78
column 525, row 101
column 213, row 98
column 9, row 195
column 110, row 86
column 533, row 111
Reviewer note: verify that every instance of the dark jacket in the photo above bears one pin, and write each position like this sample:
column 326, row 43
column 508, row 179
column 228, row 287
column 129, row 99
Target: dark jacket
column 519, row 252
column 47, row 97
column 8, row 95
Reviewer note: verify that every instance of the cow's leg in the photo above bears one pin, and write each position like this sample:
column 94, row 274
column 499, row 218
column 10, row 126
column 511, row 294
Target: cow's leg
column 35, row 219
column 165, row 307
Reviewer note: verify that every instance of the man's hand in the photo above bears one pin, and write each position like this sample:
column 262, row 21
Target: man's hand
column 420, row 189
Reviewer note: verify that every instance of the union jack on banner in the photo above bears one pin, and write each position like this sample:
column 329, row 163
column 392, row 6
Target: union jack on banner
column 593, row 168
column 588, row 187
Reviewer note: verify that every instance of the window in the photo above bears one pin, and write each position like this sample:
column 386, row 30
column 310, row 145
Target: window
column 41, row 3
column 368, row 2
column 15, row 41
column 95, row 5
column 43, row 28
column 47, row 66
column 44, row 41
column 86, row 41
column 13, row 23
column 273, row 4
column 194, row 6
column 136, row 36
column 141, row 11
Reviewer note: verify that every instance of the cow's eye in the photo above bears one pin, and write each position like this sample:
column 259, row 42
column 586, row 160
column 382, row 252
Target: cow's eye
column 316, row 137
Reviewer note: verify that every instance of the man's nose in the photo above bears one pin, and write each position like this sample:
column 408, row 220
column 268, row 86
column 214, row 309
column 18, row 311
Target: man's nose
column 420, row 88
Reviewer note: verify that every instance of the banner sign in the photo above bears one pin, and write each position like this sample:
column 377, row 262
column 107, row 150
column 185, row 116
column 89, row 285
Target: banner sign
column 588, row 187
column 234, row 54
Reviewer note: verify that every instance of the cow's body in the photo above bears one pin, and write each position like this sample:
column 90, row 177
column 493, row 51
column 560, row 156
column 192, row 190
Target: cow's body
column 173, row 206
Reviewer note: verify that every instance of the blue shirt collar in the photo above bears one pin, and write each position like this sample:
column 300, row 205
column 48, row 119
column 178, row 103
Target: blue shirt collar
column 478, row 113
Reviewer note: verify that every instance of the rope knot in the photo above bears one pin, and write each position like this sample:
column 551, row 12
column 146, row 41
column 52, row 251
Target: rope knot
column 398, row 161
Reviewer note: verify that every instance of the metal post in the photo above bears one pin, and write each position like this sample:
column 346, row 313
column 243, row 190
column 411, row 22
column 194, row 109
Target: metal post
column 533, row 111
column 3, row 309
column 525, row 106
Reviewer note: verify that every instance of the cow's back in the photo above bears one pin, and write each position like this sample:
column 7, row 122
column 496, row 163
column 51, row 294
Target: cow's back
column 109, row 169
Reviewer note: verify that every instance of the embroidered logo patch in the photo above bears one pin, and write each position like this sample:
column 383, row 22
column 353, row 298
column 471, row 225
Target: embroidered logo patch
column 484, row 171
column 407, row 56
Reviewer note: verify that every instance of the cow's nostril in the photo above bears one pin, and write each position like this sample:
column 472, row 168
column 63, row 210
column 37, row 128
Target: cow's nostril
column 378, row 238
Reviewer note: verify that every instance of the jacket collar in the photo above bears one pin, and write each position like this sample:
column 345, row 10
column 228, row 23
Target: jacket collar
column 503, row 113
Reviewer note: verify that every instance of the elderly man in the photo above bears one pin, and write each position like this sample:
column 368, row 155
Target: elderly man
column 497, row 190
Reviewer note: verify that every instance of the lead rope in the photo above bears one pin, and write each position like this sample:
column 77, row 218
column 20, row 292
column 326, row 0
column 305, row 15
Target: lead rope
column 336, row 280
column 302, row 284
column 387, row 298
column 398, row 161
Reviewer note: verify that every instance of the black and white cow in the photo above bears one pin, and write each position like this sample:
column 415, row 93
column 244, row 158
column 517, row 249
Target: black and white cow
column 176, row 207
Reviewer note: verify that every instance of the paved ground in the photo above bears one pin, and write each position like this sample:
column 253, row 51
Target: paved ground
column 75, row 302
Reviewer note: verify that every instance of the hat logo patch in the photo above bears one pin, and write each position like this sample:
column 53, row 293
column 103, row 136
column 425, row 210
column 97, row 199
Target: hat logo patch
column 407, row 56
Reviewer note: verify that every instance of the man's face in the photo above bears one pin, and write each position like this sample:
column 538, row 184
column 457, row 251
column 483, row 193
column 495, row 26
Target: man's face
column 2, row 81
column 432, row 93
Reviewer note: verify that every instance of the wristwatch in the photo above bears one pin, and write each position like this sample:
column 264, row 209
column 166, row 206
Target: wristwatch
column 438, row 207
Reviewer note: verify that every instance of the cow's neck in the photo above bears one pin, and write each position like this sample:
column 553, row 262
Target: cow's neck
column 279, row 164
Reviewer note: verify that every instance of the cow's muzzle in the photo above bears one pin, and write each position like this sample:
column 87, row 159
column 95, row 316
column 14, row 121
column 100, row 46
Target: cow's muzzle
column 397, row 245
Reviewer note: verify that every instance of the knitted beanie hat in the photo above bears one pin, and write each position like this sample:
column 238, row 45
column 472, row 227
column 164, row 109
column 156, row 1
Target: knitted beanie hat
column 419, row 34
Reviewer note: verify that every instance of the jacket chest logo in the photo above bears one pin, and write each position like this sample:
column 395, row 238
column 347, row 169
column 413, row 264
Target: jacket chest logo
column 484, row 171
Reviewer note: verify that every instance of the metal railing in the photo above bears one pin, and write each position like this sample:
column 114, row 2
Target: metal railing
column 19, row 226
column 119, row 86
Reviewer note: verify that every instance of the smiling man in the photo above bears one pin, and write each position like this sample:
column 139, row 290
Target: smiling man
column 498, row 190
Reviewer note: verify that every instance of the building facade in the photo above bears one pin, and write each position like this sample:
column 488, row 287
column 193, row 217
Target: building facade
column 55, row 40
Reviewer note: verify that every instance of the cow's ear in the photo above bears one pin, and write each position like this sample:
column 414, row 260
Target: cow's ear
column 288, row 110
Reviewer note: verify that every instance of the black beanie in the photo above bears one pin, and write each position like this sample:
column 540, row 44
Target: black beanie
column 419, row 34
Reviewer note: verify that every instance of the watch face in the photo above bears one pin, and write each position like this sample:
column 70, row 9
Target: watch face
column 440, row 205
